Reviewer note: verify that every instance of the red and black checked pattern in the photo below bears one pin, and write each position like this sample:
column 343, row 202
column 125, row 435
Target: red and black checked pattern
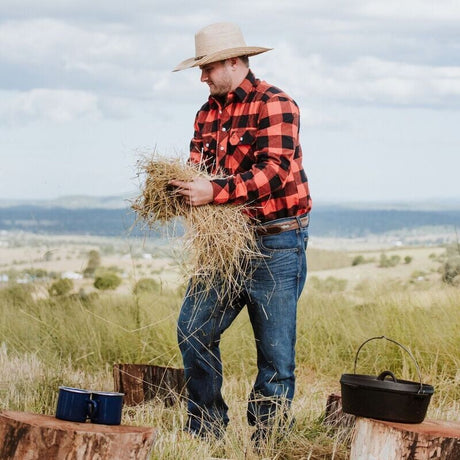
column 253, row 141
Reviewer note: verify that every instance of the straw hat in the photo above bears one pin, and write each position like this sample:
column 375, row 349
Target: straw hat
column 218, row 42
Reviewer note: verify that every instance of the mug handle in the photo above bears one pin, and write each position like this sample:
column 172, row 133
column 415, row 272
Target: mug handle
column 92, row 408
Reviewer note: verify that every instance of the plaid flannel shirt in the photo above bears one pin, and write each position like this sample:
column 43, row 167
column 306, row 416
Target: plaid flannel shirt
column 253, row 142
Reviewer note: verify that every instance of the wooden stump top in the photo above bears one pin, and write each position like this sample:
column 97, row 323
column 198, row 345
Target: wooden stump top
column 26, row 436
column 381, row 440
column 435, row 428
column 49, row 421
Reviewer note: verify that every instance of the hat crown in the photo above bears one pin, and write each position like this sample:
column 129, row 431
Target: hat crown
column 217, row 42
column 218, row 37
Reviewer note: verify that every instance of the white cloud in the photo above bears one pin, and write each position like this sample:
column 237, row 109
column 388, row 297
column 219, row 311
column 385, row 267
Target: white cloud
column 54, row 105
column 107, row 64
column 113, row 60
column 121, row 60
column 62, row 44
column 421, row 10
column 367, row 80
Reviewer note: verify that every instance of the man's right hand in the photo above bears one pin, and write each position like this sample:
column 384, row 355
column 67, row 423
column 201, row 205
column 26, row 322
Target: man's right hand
column 197, row 192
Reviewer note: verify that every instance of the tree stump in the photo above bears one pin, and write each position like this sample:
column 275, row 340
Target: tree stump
column 379, row 440
column 25, row 436
column 334, row 416
column 143, row 382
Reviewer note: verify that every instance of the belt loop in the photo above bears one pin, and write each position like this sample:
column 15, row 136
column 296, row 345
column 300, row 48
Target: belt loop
column 299, row 224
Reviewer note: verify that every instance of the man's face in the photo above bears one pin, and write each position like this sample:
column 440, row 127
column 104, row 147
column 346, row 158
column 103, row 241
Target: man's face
column 218, row 76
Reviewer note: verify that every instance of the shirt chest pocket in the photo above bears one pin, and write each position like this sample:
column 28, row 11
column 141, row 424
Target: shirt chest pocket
column 241, row 146
column 209, row 145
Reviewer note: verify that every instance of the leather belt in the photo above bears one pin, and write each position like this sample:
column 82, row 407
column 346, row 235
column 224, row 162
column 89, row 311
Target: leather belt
column 287, row 225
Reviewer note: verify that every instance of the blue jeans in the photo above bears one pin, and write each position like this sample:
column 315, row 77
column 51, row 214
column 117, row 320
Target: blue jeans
column 270, row 294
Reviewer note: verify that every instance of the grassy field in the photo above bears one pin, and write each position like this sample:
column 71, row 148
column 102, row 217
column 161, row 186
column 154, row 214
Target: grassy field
column 74, row 340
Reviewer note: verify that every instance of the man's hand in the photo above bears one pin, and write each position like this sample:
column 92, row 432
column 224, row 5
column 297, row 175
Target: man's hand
column 195, row 193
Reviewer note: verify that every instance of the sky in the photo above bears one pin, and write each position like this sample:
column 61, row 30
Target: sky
column 87, row 89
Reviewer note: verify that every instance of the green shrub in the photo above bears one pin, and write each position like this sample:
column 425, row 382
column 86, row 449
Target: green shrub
column 60, row 287
column 407, row 259
column 107, row 281
column 146, row 285
column 358, row 260
column 386, row 262
column 36, row 272
column 16, row 294
column 451, row 270
column 330, row 284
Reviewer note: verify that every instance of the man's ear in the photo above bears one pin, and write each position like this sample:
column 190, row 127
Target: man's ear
column 233, row 62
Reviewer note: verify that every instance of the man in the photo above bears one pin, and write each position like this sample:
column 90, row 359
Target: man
column 249, row 130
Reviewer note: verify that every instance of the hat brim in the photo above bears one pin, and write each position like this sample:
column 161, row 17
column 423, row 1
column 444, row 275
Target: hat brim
column 221, row 56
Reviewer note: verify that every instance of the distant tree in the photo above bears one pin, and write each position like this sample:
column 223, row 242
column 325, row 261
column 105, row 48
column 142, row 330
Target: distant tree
column 60, row 287
column 94, row 261
column 107, row 281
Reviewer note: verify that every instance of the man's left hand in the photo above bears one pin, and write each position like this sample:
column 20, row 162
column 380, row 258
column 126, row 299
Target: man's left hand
column 197, row 192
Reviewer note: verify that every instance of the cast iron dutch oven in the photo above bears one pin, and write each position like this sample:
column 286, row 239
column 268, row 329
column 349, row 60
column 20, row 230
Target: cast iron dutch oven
column 385, row 397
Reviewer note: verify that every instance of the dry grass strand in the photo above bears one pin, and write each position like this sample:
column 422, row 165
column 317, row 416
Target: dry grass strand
column 219, row 240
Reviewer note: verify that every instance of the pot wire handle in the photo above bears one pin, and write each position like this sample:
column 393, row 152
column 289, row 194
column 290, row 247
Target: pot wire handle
column 397, row 343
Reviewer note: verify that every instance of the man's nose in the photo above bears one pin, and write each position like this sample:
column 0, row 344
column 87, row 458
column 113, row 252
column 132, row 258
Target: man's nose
column 204, row 76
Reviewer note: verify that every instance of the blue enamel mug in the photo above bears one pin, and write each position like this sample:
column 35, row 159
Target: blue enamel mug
column 74, row 404
column 106, row 407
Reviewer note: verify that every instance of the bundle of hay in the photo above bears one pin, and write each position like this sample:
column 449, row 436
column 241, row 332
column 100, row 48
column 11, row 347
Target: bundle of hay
column 218, row 239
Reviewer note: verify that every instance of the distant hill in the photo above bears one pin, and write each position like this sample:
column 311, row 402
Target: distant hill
column 338, row 221
column 326, row 220
column 123, row 201
column 73, row 202
column 59, row 220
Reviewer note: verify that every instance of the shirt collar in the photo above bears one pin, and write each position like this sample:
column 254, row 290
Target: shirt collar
column 245, row 87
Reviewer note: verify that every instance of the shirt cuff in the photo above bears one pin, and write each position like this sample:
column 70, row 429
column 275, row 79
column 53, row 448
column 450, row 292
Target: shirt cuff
column 220, row 193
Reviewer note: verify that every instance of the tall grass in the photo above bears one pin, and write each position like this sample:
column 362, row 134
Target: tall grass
column 91, row 333
column 75, row 341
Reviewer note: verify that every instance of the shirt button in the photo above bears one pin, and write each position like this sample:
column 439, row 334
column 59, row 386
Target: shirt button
column 224, row 129
column 207, row 145
column 241, row 139
column 221, row 148
column 220, row 112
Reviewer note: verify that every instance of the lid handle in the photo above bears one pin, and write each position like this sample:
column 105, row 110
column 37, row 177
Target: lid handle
column 386, row 374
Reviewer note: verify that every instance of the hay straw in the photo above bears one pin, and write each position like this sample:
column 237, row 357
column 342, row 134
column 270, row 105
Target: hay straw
column 219, row 240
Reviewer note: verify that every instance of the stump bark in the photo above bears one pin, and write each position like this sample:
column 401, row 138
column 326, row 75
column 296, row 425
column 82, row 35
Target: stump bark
column 144, row 382
column 25, row 436
column 379, row 440
column 334, row 415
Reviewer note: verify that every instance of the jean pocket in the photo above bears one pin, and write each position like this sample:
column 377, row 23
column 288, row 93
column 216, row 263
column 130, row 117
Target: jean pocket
column 286, row 241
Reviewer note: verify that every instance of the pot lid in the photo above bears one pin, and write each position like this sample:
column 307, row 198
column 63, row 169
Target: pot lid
column 380, row 383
